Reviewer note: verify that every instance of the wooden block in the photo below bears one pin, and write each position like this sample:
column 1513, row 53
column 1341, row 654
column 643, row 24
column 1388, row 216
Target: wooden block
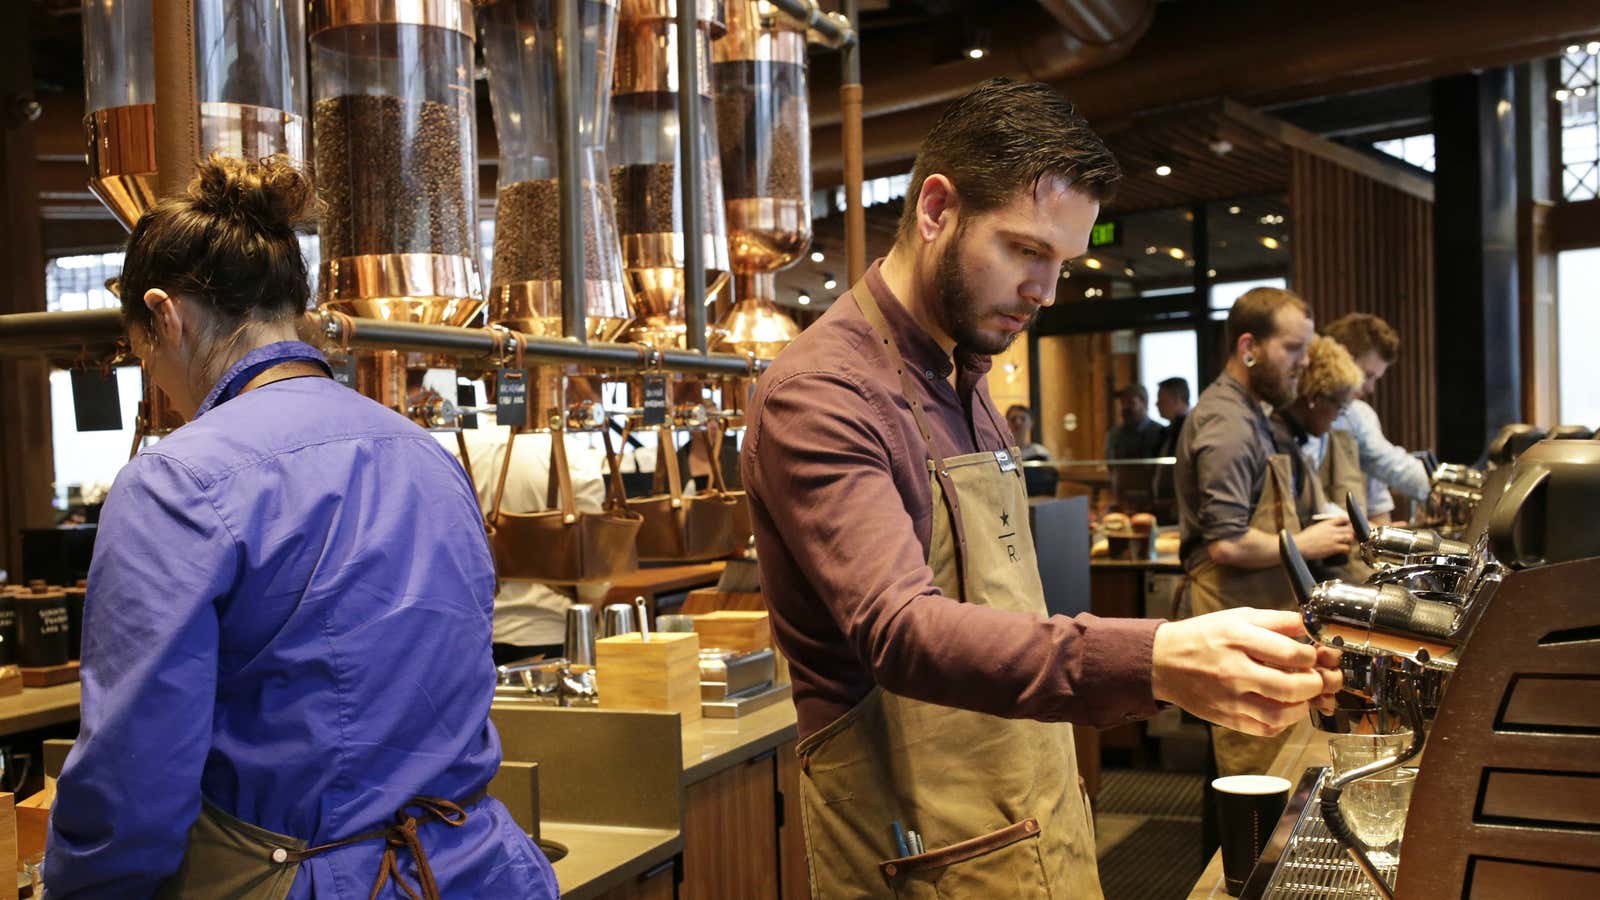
column 8, row 844
column 10, row 682
column 711, row 600
column 50, row 675
column 33, row 822
column 734, row 630
column 661, row 674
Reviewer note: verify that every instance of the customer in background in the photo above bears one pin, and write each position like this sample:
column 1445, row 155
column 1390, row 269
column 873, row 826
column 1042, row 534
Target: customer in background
column 1236, row 487
column 286, row 637
column 1172, row 404
column 529, row 617
column 1137, row 436
column 1019, row 419
column 1374, row 346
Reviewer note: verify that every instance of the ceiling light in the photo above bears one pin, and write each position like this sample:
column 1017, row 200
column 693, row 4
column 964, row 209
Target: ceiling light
column 1573, row 48
column 1580, row 91
column 829, row 283
column 1163, row 170
column 804, row 299
column 1189, row 263
column 1175, row 253
column 1092, row 263
column 1149, row 251
column 1561, row 95
column 1234, row 210
column 1592, row 47
column 975, row 53
column 1271, row 243
column 1211, row 273
column 1128, row 271
column 816, row 256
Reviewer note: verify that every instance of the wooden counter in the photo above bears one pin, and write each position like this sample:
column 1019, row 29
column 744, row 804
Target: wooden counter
column 712, row 745
column 38, row 708
column 1306, row 747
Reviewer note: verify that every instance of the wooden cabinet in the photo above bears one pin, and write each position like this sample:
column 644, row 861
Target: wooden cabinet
column 730, row 834
column 795, row 876
column 656, row 884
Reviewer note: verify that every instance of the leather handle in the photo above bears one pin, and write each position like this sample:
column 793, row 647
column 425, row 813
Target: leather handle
column 667, row 455
column 1508, row 513
column 500, row 484
column 561, row 474
column 616, row 493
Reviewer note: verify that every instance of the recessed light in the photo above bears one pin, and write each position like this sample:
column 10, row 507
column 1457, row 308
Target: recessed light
column 816, row 256
column 1150, row 251
column 1163, row 170
column 829, row 283
column 1271, row 243
column 975, row 53
column 804, row 299
column 1175, row 253
column 1211, row 273
column 1234, row 210
column 1092, row 263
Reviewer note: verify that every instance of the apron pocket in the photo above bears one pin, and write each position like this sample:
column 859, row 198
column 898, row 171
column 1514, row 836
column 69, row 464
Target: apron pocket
column 1003, row 863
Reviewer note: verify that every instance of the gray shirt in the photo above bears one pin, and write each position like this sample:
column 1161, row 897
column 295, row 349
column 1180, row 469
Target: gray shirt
column 1139, row 441
column 1223, row 452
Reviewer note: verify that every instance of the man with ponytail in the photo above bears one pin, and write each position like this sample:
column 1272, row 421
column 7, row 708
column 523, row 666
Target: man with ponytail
column 286, row 664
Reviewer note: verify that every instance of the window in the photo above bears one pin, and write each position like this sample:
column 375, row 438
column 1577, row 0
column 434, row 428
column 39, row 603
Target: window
column 1577, row 322
column 1578, row 92
column 1223, row 295
column 1416, row 149
column 1168, row 354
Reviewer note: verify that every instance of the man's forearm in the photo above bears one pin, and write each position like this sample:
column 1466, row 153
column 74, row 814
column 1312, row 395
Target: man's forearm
column 1251, row 550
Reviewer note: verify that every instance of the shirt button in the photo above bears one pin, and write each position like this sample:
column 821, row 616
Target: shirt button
column 928, row 374
column 280, row 855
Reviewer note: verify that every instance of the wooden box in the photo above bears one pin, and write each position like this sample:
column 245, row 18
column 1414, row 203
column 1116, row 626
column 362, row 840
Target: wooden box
column 661, row 674
column 710, row 600
column 734, row 630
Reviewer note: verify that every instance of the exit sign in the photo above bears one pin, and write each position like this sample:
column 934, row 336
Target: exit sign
column 1105, row 234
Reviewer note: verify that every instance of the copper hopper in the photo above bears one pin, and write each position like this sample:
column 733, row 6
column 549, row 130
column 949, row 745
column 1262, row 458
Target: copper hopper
column 250, row 74
column 645, row 177
column 764, row 135
column 520, row 40
column 395, row 129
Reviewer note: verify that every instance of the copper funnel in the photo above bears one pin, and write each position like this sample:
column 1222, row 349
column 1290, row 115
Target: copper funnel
column 755, row 324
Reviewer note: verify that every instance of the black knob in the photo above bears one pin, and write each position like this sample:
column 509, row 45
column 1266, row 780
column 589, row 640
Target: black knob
column 1299, row 573
column 1358, row 518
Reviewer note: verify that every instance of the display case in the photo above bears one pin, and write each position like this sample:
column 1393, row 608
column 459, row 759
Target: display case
column 250, row 81
column 520, row 46
column 394, row 125
column 645, row 175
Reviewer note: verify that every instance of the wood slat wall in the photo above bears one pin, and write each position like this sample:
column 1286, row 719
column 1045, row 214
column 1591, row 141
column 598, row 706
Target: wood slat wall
column 1363, row 246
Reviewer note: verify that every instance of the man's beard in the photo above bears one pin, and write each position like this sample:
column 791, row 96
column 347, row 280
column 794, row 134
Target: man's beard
column 1268, row 383
column 957, row 307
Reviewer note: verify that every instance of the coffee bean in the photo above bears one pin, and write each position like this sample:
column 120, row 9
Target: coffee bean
column 393, row 177
column 760, row 116
column 527, row 231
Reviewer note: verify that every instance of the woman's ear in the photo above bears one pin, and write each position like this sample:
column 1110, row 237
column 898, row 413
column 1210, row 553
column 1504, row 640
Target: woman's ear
column 166, row 317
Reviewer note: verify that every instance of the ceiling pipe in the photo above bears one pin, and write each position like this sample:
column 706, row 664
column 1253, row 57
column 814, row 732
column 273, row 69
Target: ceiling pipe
column 1067, row 37
column 1265, row 51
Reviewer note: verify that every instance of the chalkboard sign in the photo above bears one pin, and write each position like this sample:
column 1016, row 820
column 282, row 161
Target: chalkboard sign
column 95, row 402
column 655, row 400
column 511, row 397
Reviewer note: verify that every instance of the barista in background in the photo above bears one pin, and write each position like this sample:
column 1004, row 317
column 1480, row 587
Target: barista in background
column 1172, row 404
column 1327, row 465
column 1019, row 419
column 1375, row 346
column 1235, row 488
column 530, row 618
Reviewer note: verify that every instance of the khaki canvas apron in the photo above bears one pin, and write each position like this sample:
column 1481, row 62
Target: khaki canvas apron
column 1213, row 587
column 1340, row 475
column 997, row 801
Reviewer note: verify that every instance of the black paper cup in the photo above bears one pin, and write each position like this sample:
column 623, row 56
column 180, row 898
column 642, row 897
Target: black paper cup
column 1248, row 809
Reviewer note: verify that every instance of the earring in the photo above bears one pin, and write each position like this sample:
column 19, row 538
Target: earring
column 1249, row 360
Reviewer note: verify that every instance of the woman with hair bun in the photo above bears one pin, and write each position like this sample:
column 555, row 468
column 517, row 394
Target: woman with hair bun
column 1327, row 463
column 286, row 663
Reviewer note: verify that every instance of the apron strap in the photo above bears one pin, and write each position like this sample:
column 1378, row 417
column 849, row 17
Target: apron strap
column 401, row 835
column 868, row 304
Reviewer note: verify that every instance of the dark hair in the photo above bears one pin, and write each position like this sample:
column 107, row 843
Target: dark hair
column 1256, row 313
column 1016, row 406
column 1134, row 390
column 1003, row 137
column 1363, row 333
column 1176, row 387
column 228, row 242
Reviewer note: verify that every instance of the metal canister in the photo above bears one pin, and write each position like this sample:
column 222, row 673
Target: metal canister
column 75, row 598
column 43, row 626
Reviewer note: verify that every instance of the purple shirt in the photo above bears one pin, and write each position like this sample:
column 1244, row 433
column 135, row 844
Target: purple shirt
column 839, row 494
column 288, row 612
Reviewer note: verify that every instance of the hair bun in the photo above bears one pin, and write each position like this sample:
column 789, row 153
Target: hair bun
column 273, row 194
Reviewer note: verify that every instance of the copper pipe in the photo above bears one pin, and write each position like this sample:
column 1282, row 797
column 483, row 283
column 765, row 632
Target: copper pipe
column 177, row 114
column 850, row 145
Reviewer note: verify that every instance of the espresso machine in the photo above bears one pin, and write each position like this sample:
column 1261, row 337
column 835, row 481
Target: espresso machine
column 1456, row 506
column 1489, row 653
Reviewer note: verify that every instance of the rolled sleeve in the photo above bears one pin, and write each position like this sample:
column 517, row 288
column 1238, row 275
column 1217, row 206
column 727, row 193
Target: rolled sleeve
column 1227, row 466
column 821, row 472
column 1380, row 459
column 131, row 785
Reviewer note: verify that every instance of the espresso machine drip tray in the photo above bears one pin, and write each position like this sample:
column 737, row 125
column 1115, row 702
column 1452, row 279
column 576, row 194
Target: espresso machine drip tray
column 1303, row 860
